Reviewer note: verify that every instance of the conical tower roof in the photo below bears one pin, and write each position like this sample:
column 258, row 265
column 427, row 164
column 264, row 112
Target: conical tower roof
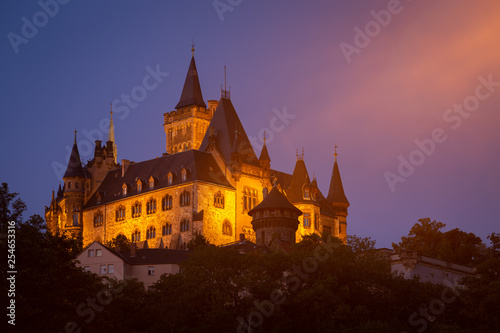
column 336, row 192
column 264, row 155
column 74, row 168
column 191, row 93
column 300, row 177
column 275, row 200
column 226, row 123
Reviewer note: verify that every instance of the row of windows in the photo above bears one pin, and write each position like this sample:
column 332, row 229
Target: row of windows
column 219, row 200
column 68, row 185
column 165, row 230
column 307, row 221
column 249, row 198
column 152, row 181
column 166, row 204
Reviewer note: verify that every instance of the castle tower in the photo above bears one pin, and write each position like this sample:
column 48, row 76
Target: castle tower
column 186, row 126
column 111, row 136
column 265, row 163
column 275, row 217
column 74, row 192
column 338, row 200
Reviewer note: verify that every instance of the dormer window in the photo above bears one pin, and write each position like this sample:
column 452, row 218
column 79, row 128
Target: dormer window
column 151, row 183
column 98, row 198
column 139, row 185
column 124, row 189
column 306, row 194
column 184, row 175
column 170, row 178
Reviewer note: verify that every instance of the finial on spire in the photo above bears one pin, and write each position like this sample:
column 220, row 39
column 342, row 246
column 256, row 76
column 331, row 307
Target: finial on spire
column 192, row 47
column 264, row 136
column 111, row 105
column 75, row 135
column 335, row 153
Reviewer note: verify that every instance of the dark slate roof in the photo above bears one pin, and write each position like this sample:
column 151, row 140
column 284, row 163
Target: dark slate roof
column 275, row 199
column 191, row 93
column 226, row 122
column 336, row 192
column 199, row 165
column 283, row 178
column 264, row 155
column 300, row 177
column 154, row 256
column 74, row 168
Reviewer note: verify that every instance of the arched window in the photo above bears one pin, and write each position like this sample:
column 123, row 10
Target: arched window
column 151, row 233
column 151, row 206
column 136, row 209
column 227, row 229
column 151, row 182
column 184, row 225
column 76, row 208
column 166, row 229
column 98, row 219
column 249, row 198
column 136, row 236
column 120, row 214
column 184, row 172
column 170, row 178
column 219, row 200
column 124, row 189
column 185, row 199
column 167, row 202
column 139, row 185
column 69, row 185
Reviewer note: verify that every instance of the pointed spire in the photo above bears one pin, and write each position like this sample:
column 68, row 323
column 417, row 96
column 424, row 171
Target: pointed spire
column 111, row 134
column 191, row 93
column 336, row 192
column 300, row 179
column 264, row 155
column 74, row 168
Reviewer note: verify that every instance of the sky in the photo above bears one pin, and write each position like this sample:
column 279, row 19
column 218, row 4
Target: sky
column 409, row 91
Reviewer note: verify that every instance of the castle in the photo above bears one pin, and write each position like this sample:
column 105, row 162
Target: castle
column 207, row 181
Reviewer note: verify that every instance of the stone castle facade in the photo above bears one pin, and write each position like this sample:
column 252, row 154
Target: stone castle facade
column 207, row 181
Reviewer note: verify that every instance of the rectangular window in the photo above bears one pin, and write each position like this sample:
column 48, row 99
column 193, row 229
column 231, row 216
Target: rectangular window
column 307, row 220
column 91, row 253
column 75, row 219
column 103, row 269
column 111, row 268
column 151, row 270
column 98, row 253
column 86, row 268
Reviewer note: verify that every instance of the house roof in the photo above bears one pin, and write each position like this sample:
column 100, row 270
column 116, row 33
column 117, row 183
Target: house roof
column 191, row 92
column 226, row 124
column 200, row 166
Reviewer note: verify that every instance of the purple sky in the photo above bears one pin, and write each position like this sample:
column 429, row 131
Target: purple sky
column 386, row 90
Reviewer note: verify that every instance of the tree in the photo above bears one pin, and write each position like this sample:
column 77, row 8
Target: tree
column 11, row 208
column 426, row 237
column 120, row 242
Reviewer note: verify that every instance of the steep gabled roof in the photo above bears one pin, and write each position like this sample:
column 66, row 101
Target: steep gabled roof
column 191, row 93
column 155, row 256
column 336, row 192
column 74, row 168
column 226, row 122
column 200, row 166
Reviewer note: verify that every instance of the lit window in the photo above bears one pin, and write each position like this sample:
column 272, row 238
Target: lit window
column 184, row 173
column 184, row 225
column 166, row 202
column 151, row 183
column 219, row 200
column 227, row 229
column 120, row 213
column 103, row 269
column 151, row 206
column 98, row 219
column 151, row 233
column 136, row 209
column 151, row 270
column 136, row 236
column 249, row 198
column 170, row 178
column 139, row 186
column 306, row 194
column 98, row 253
column 111, row 268
column 124, row 188
column 166, row 229
column 91, row 253
column 307, row 220
column 185, row 198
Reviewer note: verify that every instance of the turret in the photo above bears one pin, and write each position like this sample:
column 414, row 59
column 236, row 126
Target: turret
column 74, row 191
column 275, row 218
column 337, row 198
column 265, row 163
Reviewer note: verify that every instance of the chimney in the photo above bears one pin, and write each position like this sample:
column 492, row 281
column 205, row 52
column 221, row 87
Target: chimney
column 133, row 248
column 242, row 237
column 125, row 165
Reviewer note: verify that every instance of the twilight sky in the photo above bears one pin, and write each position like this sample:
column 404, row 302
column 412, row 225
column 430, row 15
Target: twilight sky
column 412, row 100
